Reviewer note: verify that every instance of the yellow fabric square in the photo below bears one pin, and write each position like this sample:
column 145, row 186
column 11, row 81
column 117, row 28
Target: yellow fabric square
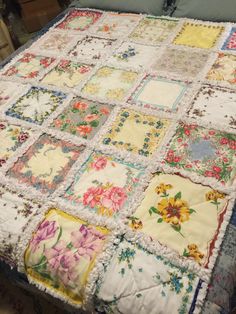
column 198, row 35
column 181, row 214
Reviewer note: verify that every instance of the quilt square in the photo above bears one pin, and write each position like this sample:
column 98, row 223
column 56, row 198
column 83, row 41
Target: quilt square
column 92, row 47
column 223, row 69
column 182, row 215
column 184, row 63
column 104, row 184
column 214, row 103
column 79, row 20
column 133, row 55
column 159, row 93
column 83, row 118
column 62, row 253
column 15, row 214
column 11, row 138
column 110, row 84
column 115, row 25
column 29, row 66
column 198, row 35
column 46, row 163
column 230, row 42
column 67, row 74
column 136, row 132
column 140, row 280
column 153, row 30
column 56, row 42
column 8, row 90
column 36, row 105
column 207, row 152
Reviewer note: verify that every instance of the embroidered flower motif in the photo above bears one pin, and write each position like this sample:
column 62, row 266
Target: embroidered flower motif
column 193, row 252
column 115, row 94
column 214, row 195
column 80, row 105
column 23, row 136
column 84, row 129
column 114, row 198
column 45, row 231
column 135, row 223
column 162, row 188
column 104, row 72
column 128, row 77
column 99, row 163
column 125, row 55
column 91, row 117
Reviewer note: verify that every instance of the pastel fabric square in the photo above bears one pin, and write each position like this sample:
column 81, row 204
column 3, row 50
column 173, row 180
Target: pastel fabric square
column 223, row 69
column 29, row 66
column 79, row 20
column 198, row 35
column 138, row 277
column 182, row 215
column 104, row 184
column 181, row 62
column 8, row 90
column 159, row 93
column 136, row 132
column 62, row 253
column 11, row 138
column 214, row 104
column 230, row 42
column 134, row 55
column 83, row 118
column 116, row 25
column 36, row 105
column 56, row 42
column 15, row 214
column 92, row 47
column 153, row 31
column 206, row 152
column 110, row 84
column 67, row 74
column 45, row 164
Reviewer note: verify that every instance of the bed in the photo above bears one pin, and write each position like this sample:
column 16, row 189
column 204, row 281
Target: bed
column 118, row 163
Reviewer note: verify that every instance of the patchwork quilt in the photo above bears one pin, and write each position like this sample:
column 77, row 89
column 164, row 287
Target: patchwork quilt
column 117, row 163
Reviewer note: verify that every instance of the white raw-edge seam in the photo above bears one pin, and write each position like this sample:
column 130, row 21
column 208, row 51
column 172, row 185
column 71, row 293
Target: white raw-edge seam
column 202, row 293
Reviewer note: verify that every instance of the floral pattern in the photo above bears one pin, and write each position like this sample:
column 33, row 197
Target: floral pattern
column 56, row 42
column 36, row 105
column 79, row 20
column 214, row 103
column 92, row 47
column 198, row 35
column 104, row 184
column 62, row 258
column 11, row 138
column 138, row 277
column 46, row 163
column 67, row 74
column 181, row 215
column 153, row 30
column 82, row 118
column 230, row 42
column 206, row 152
column 136, row 132
column 29, row 66
column 223, row 69
column 120, row 82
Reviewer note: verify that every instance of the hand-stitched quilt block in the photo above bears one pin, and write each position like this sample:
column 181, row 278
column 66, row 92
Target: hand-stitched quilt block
column 136, row 132
column 159, row 93
column 67, row 74
column 181, row 214
column 62, row 253
column 223, row 69
column 181, row 62
column 56, row 42
column 16, row 212
column 46, row 163
column 7, row 91
column 133, row 54
column 36, row 105
column 153, row 30
column 29, row 66
column 83, row 118
column 92, row 47
column 198, row 35
column 104, row 184
column 138, row 277
column 214, row 104
column 79, row 20
column 206, row 152
column 230, row 42
column 115, row 25
column 11, row 138
column 110, row 84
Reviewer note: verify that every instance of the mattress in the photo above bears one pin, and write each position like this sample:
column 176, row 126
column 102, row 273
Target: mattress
column 118, row 163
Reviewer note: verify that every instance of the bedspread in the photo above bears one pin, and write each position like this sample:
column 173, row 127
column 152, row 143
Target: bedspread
column 117, row 163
